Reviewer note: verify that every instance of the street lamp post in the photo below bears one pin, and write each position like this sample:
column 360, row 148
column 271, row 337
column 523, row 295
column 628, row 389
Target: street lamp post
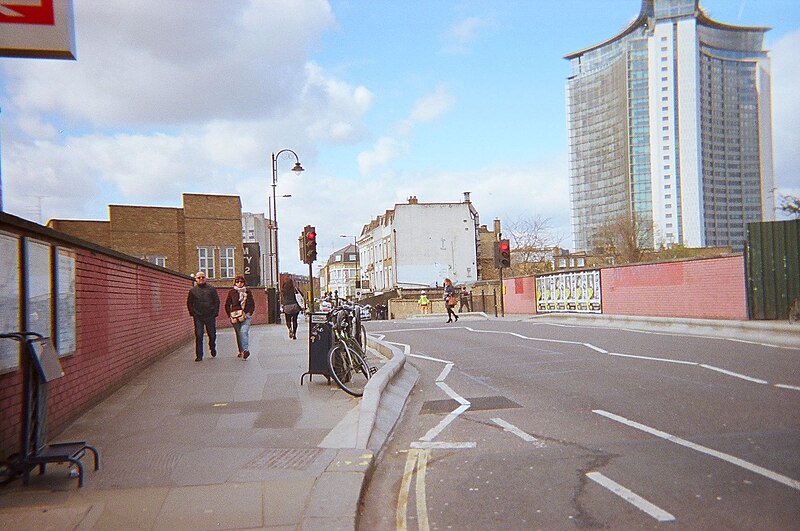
column 357, row 282
column 297, row 169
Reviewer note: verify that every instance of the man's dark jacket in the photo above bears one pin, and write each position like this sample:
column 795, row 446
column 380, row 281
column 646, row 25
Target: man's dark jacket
column 203, row 301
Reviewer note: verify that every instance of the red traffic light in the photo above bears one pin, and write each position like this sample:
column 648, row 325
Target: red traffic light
column 311, row 235
column 504, row 245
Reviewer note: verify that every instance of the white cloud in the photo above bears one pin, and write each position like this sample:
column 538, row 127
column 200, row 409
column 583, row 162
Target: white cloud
column 170, row 98
column 383, row 152
column 141, row 62
column 462, row 33
column 786, row 112
column 426, row 109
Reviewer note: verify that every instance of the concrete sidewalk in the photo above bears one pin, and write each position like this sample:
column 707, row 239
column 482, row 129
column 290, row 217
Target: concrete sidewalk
column 220, row 444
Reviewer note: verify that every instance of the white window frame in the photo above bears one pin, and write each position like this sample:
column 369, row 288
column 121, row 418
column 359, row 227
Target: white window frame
column 205, row 261
column 227, row 262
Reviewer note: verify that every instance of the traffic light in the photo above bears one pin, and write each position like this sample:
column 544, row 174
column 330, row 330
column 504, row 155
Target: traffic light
column 310, row 244
column 301, row 243
column 504, row 252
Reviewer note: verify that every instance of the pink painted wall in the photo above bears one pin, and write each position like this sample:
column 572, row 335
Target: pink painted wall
column 705, row 288
column 709, row 288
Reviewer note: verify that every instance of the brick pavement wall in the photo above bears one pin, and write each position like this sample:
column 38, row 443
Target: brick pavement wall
column 707, row 288
column 128, row 315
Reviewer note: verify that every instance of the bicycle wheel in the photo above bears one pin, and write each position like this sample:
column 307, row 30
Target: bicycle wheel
column 362, row 339
column 348, row 369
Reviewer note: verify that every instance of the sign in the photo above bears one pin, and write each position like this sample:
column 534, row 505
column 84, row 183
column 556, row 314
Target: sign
column 43, row 29
column 252, row 266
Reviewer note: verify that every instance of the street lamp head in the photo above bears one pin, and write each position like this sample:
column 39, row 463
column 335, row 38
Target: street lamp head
column 297, row 168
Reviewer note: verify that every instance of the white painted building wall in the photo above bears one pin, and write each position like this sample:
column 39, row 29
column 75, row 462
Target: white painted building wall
column 421, row 244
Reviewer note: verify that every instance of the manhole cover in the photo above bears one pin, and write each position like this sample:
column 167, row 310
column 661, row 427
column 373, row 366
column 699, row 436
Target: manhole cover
column 480, row 403
column 285, row 458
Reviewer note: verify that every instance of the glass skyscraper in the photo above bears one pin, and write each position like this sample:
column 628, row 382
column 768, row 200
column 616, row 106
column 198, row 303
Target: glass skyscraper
column 670, row 126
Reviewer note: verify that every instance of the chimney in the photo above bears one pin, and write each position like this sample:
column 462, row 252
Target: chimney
column 412, row 200
column 466, row 197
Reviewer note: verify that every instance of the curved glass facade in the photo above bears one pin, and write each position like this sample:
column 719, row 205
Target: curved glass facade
column 666, row 126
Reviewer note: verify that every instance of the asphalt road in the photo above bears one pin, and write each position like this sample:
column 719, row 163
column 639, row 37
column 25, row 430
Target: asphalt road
column 529, row 425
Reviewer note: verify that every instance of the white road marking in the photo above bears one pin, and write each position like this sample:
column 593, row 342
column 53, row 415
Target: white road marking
column 420, row 356
column 666, row 360
column 784, row 386
column 436, row 430
column 633, row 356
column 444, row 373
column 527, row 437
column 443, row 445
column 631, row 497
column 735, row 374
column 780, row 478
column 452, row 394
column 598, row 349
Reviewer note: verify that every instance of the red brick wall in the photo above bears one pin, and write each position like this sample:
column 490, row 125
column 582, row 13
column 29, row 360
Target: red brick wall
column 128, row 315
column 710, row 288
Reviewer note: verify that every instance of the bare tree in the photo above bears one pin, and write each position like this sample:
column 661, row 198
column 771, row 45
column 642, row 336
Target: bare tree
column 791, row 205
column 622, row 240
column 532, row 241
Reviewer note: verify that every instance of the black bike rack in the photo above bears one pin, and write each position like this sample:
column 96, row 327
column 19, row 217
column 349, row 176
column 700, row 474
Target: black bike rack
column 40, row 365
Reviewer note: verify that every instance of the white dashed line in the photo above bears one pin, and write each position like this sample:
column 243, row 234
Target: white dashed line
column 518, row 432
column 631, row 497
column 780, row 478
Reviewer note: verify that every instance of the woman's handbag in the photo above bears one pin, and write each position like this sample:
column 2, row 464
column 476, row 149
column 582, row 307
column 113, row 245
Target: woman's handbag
column 238, row 316
column 452, row 300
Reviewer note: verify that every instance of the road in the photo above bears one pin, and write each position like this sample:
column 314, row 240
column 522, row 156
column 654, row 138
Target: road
column 525, row 424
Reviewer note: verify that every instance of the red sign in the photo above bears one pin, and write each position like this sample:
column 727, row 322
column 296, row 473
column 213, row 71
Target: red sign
column 27, row 12
column 41, row 29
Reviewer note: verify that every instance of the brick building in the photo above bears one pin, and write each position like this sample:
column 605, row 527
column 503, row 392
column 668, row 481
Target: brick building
column 204, row 235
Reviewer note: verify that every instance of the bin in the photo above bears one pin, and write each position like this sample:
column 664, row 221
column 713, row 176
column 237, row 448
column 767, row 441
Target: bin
column 320, row 339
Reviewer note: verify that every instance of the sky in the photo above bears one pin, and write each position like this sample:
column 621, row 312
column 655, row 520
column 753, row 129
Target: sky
column 380, row 100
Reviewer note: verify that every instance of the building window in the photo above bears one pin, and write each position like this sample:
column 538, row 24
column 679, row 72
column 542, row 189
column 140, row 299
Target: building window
column 158, row 260
column 205, row 261
column 227, row 266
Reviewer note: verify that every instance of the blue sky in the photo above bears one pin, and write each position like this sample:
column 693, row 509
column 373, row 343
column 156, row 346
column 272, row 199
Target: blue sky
column 380, row 99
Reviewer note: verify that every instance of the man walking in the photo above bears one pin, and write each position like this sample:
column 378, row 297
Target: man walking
column 464, row 300
column 203, row 305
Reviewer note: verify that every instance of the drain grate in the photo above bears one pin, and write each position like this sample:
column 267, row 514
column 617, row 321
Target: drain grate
column 481, row 403
column 285, row 458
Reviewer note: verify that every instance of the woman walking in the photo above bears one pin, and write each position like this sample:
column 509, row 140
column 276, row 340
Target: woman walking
column 240, row 307
column 291, row 308
column 450, row 299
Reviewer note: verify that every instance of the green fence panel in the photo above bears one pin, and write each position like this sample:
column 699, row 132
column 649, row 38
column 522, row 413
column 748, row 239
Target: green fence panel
column 772, row 261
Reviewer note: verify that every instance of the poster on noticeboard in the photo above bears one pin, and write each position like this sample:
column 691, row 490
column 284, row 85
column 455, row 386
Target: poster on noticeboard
column 576, row 291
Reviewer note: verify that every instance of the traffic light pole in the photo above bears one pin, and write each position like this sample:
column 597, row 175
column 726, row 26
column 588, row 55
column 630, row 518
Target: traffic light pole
column 502, row 290
column 310, row 290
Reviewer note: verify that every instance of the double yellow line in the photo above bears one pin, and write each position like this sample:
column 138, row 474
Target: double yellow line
column 417, row 460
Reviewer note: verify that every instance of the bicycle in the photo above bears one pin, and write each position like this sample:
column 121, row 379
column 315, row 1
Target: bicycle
column 346, row 358
column 794, row 310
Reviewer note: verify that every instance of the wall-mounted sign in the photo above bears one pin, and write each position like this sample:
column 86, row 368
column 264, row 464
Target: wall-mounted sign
column 252, row 266
column 41, row 29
